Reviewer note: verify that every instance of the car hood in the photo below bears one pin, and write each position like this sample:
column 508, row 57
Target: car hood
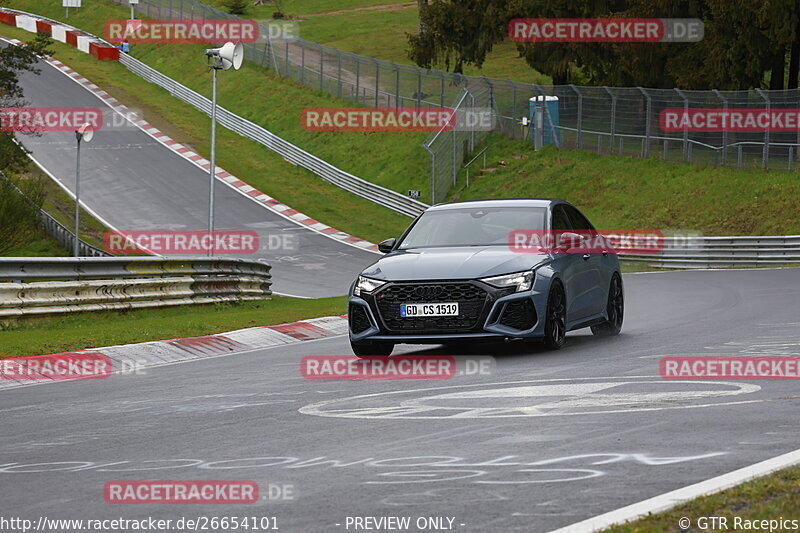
column 467, row 262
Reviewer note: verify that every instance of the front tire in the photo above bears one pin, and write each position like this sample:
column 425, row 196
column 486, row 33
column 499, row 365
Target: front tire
column 555, row 330
column 615, row 309
column 372, row 349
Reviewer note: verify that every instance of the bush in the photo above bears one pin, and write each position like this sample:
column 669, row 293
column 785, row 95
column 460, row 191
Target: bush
column 235, row 7
column 20, row 202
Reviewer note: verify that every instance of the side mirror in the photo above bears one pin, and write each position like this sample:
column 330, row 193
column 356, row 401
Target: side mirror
column 387, row 245
column 569, row 240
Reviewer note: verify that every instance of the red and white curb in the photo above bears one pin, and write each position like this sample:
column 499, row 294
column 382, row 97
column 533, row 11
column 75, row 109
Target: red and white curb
column 133, row 358
column 232, row 181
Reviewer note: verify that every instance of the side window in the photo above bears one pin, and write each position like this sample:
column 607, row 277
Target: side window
column 560, row 219
column 578, row 220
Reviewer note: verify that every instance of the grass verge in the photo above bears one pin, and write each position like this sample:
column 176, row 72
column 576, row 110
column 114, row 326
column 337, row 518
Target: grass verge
column 770, row 498
column 627, row 192
column 80, row 331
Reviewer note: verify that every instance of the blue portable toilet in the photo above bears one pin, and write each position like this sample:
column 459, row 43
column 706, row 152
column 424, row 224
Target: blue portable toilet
column 549, row 131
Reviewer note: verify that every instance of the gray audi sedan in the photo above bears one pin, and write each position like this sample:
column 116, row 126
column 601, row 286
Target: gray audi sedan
column 488, row 270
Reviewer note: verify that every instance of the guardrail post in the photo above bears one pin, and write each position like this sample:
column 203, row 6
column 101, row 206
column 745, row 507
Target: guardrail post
column 765, row 151
column 648, row 111
column 685, row 128
column 579, row 126
column 613, row 115
column 725, row 131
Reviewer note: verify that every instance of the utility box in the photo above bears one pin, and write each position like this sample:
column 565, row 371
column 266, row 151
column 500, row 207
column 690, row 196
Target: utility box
column 547, row 122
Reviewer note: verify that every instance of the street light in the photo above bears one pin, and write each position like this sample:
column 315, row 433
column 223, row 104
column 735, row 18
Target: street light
column 223, row 58
column 84, row 133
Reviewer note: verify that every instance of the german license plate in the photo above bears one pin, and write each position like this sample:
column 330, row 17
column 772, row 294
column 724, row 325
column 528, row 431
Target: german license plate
column 441, row 309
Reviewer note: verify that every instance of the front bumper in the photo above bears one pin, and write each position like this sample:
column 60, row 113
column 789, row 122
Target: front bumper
column 502, row 314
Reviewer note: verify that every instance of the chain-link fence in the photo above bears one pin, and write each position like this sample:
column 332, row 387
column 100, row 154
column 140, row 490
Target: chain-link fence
column 618, row 120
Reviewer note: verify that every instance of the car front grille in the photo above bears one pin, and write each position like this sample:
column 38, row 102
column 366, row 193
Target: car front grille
column 470, row 297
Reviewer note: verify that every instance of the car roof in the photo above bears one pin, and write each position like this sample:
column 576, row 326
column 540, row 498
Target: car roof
column 500, row 202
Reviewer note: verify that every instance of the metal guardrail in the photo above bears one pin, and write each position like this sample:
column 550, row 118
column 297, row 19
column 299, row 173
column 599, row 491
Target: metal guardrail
column 297, row 156
column 39, row 285
column 713, row 252
column 293, row 154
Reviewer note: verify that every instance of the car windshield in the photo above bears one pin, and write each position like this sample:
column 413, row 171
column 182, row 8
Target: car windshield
column 473, row 226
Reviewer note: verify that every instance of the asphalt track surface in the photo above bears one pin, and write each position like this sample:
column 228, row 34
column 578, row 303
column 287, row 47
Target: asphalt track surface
column 134, row 183
column 550, row 438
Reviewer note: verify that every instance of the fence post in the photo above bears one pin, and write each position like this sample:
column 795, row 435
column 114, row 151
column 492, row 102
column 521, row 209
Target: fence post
column 613, row 116
column 302, row 64
column 433, row 173
column 514, row 113
column 339, row 75
column 579, row 126
column 648, row 111
column 419, row 87
column 685, row 127
column 321, row 66
column 377, row 82
column 725, row 131
column 358, row 76
column 397, row 86
column 441, row 95
column 765, row 151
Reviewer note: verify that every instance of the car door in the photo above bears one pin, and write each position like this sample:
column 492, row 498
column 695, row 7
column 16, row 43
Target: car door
column 575, row 271
column 595, row 296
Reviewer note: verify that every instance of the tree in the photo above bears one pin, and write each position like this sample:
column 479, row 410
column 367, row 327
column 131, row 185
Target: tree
column 235, row 7
column 19, row 210
column 455, row 33
column 745, row 42
column 13, row 61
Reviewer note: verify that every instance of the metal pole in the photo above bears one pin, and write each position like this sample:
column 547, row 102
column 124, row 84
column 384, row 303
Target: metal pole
column 646, row 147
column 132, row 17
column 77, row 197
column 685, row 128
column 580, row 116
column 377, row 82
column 765, row 151
column 321, row 66
column 613, row 116
column 213, row 154
column 725, row 131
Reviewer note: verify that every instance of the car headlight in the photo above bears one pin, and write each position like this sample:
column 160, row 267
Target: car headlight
column 366, row 285
column 521, row 280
